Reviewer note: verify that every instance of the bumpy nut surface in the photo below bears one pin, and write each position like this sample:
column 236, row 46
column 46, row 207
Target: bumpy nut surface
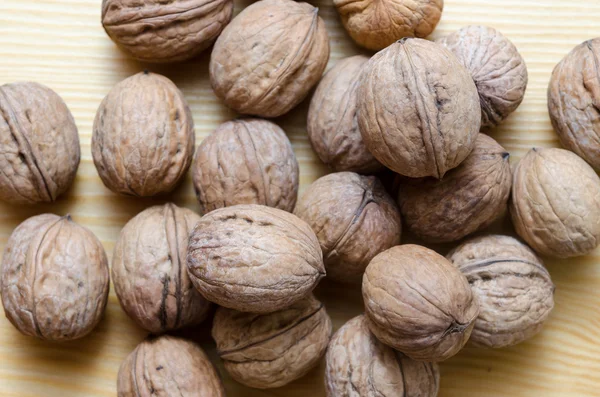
column 167, row 366
column 40, row 144
column 497, row 68
column 418, row 108
column 271, row 350
column 469, row 198
column 513, row 287
column 246, row 161
column 354, row 219
column 360, row 365
column 254, row 258
column 555, row 203
column 269, row 57
column 418, row 303
column 143, row 138
column 54, row 280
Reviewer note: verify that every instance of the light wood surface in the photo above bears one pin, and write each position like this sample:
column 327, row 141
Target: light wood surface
column 61, row 43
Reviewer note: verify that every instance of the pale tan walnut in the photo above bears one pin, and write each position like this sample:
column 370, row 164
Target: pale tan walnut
column 358, row 365
column 254, row 258
column 515, row 291
column 54, row 279
column 271, row 350
column 469, row 198
column 269, row 57
column 417, row 302
column 354, row 219
column 555, row 203
column 165, row 30
column 168, row 366
column 418, row 108
column 40, row 144
column 143, row 137
column 246, row 161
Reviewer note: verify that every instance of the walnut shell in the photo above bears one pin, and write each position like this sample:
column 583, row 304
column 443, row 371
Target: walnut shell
column 555, row 203
column 418, row 109
column 418, row 303
column 359, row 365
column 54, row 280
column 497, row 67
column 246, row 161
column 168, row 366
column 254, row 258
column 165, row 31
column 269, row 57
column 513, row 287
column 143, row 138
column 40, row 144
column 354, row 219
column 469, row 198
column 271, row 350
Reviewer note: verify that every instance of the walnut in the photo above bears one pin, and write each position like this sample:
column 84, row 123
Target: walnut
column 149, row 271
column 555, row 203
column 418, row 303
column 359, row 365
column 40, row 144
column 271, row 350
column 418, row 109
column 246, row 161
column 54, row 279
column 254, row 258
column 513, row 287
column 497, row 68
column 168, row 366
column 469, row 198
column 143, row 138
column 269, row 57
column 165, row 30
column 354, row 219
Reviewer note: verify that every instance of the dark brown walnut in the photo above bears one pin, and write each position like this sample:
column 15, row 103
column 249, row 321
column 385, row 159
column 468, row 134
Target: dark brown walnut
column 40, row 144
column 513, row 287
column 165, row 30
column 271, row 350
column 254, row 258
column 418, row 303
column 54, row 280
column 143, row 138
column 246, row 161
column 469, row 198
column 418, row 109
column 269, row 57
column 354, row 219
column 555, row 203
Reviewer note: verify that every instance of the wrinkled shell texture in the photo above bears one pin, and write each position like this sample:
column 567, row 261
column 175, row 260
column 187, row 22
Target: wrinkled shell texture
column 254, row 258
column 55, row 279
column 418, row 303
column 143, row 138
column 40, row 144
column 354, row 219
column 271, row 350
column 246, row 161
column 418, row 109
column 555, row 203
column 332, row 121
column 269, row 57
column 497, row 67
column 165, row 30
column 469, row 198
column 514, row 289
column 149, row 270
column 168, row 366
